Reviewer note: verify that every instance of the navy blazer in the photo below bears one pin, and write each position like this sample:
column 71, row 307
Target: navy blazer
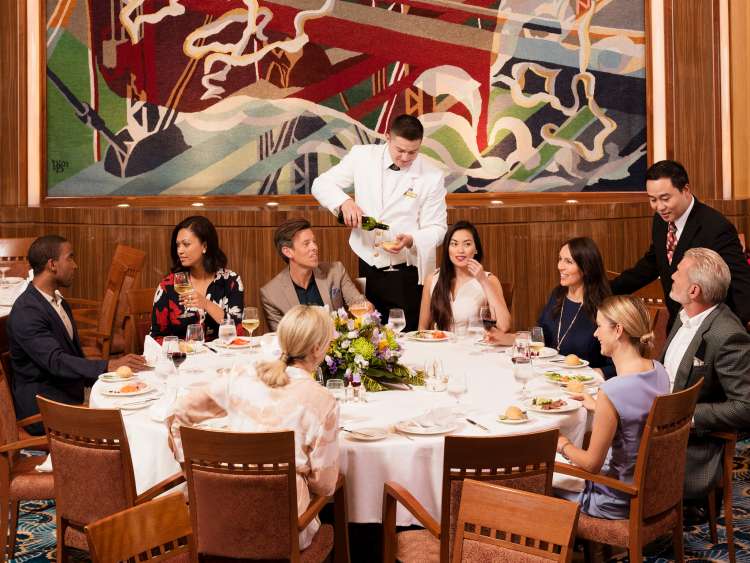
column 704, row 228
column 45, row 360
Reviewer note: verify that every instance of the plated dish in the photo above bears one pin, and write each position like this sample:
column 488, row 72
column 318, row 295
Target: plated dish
column 237, row 343
column 552, row 404
column 429, row 335
column 129, row 389
column 412, row 427
column 366, row 434
column 114, row 377
column 565, row 378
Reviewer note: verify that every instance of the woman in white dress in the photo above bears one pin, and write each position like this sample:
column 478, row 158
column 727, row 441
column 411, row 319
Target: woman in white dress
column 460, row 287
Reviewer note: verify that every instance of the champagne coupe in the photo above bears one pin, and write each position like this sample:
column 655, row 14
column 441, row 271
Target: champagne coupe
column 227, row 331
column 183, row 286
column 397, row 320
column 387, row 245
column 3, row 269
column 250, row 320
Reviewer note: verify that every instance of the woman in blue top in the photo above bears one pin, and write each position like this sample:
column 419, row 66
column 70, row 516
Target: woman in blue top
column 568, row 318
column 621, row 406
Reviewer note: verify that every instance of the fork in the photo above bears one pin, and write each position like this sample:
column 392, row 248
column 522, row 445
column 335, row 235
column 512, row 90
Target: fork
column 356, row 432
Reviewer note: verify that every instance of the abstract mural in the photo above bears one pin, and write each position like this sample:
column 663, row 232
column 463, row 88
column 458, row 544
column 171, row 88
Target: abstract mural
column 248, row 97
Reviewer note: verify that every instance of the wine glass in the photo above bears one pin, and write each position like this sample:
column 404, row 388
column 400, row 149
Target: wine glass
column 485, row 313
column 227, row 331
column 3, row 269
column 476, row 329
column 537, row 340
column 359, row 309
column 457, row 386
column 388, row 245
column 397, row 320
column 169, row 346
column 250, row 320
column 183, row 286
column 336, row 387
column 195, row 337
column 523, row 372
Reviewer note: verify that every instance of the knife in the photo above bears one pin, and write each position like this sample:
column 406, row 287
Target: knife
column 482, row 426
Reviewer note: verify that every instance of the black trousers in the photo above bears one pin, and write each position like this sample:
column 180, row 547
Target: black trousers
column 393, row 290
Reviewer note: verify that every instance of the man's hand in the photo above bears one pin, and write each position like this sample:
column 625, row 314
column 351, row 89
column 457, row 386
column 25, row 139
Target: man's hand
column 498, row 337
column 352, row 213
column 399, row 243
column 133, row 361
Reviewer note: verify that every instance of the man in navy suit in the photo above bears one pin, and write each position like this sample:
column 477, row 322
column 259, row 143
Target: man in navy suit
column 46, row 352
column 682, row 222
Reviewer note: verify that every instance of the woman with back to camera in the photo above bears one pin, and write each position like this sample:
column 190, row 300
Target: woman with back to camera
column 213, row 292
column 621, row 406
column 280, row 395
column 456, row 291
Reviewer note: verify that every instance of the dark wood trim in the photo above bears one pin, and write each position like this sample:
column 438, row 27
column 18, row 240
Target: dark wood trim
column 718, row 153
column 458, row 200
column 649, row 83
column 668, row 77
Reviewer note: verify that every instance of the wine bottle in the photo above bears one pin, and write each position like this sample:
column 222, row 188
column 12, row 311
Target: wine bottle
column 368, row 223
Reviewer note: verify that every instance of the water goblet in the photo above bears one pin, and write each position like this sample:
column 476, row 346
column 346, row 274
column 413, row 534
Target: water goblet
column 336, row 387
column 457, row 386
column 195, row 337
column 227, row 331
column 476, row 330
column 523, row 372
column 397, row 320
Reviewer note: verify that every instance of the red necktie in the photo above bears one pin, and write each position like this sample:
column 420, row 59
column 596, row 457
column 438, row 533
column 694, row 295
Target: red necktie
column 671, row 240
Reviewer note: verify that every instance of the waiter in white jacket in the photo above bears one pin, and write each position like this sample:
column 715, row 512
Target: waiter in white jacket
column 397, row 186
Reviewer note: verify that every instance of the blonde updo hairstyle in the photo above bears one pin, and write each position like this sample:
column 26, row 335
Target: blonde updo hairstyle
column 300, row 331
column 631, row 314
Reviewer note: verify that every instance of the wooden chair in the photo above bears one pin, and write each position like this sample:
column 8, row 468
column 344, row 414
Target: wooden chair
column 158, row 530
column 100, row 322
column 140, row 302
column 496, row 523
column 658, row 482
column 14, row 253
column 730, row 445
column 19, row 479
column 7, row 366
column 659, row 317
column 243, row 498
column 741, row 236
column 508, row 294
column 652, row 293
column 522, row 461
column 93, row 469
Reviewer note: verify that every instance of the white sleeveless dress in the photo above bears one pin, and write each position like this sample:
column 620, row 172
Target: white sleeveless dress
column 469, row 298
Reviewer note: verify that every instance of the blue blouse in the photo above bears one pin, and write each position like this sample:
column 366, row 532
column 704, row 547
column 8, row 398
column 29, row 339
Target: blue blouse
column 579, row 340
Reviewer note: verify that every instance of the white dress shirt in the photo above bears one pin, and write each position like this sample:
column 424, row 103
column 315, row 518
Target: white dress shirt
column 56, row 302
column 682, row 339
column 682, row 219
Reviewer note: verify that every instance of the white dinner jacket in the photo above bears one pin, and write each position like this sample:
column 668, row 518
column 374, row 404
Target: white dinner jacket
column 416, row 208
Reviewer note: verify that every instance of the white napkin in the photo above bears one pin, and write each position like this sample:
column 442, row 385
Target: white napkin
column 151, row 350
column 439, row 417
column 46, row 465
column 9, row 293
column 566, row 482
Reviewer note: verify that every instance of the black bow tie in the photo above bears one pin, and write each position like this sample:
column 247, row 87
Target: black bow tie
column 394, row 168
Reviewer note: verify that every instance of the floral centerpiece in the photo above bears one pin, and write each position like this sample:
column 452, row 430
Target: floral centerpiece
column 364, row 350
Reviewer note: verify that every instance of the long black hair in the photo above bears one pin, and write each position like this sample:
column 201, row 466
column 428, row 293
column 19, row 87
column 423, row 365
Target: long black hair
column 440, row 304
column 596, row 289
column 214, row 258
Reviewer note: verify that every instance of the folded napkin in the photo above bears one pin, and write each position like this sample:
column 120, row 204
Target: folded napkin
column 9, row 293
column 439, row 417
column 151, row 350
column 46, row 465
column 566, row 482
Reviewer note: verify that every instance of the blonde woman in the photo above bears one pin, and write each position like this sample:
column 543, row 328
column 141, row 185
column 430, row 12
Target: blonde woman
column 281, row 395
column 621, row 406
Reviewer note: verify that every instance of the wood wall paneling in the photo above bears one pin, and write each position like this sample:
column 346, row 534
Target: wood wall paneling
column 739, row 41
column 693, row 92
column 521, row 243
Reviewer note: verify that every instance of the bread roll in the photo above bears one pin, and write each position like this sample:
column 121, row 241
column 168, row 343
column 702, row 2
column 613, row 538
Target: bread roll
column 514, row 413
column 124, row 371
column 572, row 360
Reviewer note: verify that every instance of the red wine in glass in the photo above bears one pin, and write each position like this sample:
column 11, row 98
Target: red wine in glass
column 178, row 358
column 489, row 324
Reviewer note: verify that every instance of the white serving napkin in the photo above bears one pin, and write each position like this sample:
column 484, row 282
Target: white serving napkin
column 46, row 465
column 151, row 350
column 439, row 417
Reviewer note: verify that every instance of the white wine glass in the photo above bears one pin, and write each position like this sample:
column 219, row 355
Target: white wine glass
column 227, row 331
column 183, row 286
column 397, row 320
column 359, row 309
column 537, row 340
column 387, row 245
column 250, row 320
column 195, row 336
column 3, row 269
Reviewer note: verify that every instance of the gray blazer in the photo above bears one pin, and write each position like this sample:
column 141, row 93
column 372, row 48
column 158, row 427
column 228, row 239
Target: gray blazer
column 720, row 354
column 335, row 286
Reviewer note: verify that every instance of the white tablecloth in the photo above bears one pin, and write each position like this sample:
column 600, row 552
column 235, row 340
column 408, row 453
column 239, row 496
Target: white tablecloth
column 416, row 463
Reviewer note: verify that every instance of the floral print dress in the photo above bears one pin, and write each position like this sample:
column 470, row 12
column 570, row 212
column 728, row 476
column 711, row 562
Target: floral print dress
column 225, row 290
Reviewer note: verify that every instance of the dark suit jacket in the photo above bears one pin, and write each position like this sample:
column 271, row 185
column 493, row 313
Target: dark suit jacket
column 720, row 354
column 45, row 360
column 705, row 228
column 335, row 286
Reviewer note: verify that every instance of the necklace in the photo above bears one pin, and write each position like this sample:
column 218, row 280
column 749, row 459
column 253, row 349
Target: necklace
column 559, row 323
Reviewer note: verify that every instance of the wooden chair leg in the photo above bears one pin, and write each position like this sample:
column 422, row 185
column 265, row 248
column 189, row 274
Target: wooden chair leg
column 62, row 553
column 4, row 531
column 13, row 528
column 389, row 529
column 677, row 538
column 728, row 505
column 711, row 506
column 635, row 549
column 341, row 525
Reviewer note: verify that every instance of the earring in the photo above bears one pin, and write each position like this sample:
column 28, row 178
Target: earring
column 204, row 251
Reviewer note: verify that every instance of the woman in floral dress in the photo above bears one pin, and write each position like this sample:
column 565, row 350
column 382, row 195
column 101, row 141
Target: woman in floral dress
column 217, row 291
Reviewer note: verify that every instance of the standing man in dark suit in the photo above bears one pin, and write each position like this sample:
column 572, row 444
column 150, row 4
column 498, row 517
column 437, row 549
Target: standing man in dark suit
column 708, row 341
column 45, row 350
column 682, row 222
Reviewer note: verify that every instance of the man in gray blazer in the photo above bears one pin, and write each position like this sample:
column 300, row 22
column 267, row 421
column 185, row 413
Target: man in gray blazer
column 305, row 280
column 708, row 341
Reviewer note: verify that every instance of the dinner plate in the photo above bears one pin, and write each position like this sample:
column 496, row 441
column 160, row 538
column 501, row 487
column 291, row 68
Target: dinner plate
column 114, row 377
column 546, row 353
column 247, row 344
column 505, row 420
column 410, row 427
column 415, row 335
column 590, row 379
column 571, row 405
column 115, row 391
column 563, row 365
column 135, row 405
column 589, row 390
column 368, row 434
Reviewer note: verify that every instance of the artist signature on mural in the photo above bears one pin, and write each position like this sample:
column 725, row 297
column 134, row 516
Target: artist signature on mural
column 59, row 166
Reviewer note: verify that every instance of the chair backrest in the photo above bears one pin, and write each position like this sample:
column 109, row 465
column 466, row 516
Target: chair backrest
column 242, row 492
column 8, row 427
column 154, row 531
column 140, row 302
column 133, row 260
column 7, row 366
column 508, row 294
column 520, row 461
column 660, row 469
column 659, row 317
column 652, row 293
column 91, row 456
column 497, row 523
column 14, row 253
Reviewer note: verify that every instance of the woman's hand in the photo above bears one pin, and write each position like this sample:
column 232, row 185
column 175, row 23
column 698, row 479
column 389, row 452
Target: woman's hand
column 476, row 270
column 562, row 441
column 497, row 336
column 589, row 403
column 194, row 300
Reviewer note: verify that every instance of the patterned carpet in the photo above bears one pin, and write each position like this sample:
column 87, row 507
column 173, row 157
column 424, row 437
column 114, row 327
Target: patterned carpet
column 36, row 534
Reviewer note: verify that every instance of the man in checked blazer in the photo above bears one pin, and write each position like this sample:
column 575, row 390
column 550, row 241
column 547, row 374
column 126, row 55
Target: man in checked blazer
column 708, row 341
column 306, row 280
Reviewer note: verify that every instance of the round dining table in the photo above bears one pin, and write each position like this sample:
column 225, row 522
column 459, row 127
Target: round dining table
column 413, row 460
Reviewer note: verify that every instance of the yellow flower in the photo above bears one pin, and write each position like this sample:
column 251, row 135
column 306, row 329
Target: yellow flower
column 358, row 323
